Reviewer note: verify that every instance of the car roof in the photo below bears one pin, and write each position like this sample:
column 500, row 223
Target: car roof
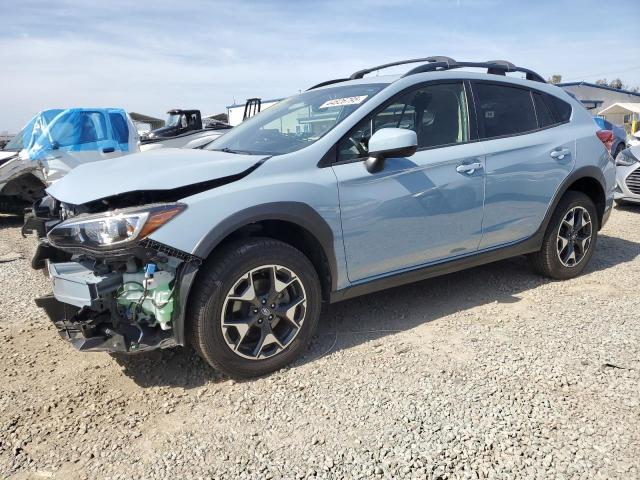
column 457, row 74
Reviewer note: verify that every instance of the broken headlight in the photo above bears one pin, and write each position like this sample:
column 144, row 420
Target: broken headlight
column 625, row 158
column 112, row 229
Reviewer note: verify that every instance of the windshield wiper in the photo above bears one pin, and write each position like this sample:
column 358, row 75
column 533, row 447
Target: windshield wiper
column 226, row 150
column 231, row 150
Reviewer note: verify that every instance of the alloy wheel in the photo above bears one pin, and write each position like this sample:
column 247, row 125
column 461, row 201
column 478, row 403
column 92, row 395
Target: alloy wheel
column 263, row 312
column 574, row 236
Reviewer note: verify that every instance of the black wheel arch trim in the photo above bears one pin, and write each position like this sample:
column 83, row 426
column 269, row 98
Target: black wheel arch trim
column 297, row 213
column 589, row 171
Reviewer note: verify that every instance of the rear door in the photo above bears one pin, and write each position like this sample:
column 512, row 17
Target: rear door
column 529, row 147
column 418, row 209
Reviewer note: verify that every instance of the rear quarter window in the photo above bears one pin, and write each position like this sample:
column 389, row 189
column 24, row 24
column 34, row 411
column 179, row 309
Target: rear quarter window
column 543, row 111
column 562, row 109
column 559, row 110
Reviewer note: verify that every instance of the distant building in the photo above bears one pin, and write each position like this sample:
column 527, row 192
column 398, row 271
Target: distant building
column 145, row 123
column 600, row 101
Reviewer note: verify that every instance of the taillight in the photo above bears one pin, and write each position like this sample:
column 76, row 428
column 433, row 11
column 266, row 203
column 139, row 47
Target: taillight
column 606, row 137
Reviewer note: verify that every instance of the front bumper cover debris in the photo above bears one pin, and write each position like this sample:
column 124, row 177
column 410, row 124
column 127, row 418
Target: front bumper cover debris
column 93, row 336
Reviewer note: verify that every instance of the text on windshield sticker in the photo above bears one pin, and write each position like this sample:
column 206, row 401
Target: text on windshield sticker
column 339, row 102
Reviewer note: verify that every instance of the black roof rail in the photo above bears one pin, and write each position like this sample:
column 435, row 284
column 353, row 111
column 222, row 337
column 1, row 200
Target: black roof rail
column 494, row 67
column 439, row 63
column 328, row 82
column 362, row 73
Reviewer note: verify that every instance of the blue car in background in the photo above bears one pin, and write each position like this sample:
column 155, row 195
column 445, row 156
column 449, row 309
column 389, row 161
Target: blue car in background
column 619, row 135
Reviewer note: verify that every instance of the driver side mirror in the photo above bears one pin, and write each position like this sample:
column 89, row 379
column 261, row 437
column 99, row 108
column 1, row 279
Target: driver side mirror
column 387, row 143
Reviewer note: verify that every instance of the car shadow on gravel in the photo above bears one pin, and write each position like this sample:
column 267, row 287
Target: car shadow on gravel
column 176, row 367
column 629, row 207
column 350, row 323
column 347, row 324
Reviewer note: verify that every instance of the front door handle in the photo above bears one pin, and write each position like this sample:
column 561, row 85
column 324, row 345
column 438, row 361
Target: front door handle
column 108, row 150
column 469, row 168
column 560, row 153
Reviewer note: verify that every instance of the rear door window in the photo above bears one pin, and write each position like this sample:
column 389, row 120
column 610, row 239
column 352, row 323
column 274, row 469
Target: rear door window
column 120, row 128
column 504, row 110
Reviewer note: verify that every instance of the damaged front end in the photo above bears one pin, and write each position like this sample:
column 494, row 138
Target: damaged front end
column 114, row 289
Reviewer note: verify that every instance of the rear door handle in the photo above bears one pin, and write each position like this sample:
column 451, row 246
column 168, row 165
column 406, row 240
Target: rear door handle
column 108, row 150
column 560, row 153
column 469, row 168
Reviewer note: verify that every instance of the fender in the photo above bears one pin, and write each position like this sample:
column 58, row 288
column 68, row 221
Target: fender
column 297, row 213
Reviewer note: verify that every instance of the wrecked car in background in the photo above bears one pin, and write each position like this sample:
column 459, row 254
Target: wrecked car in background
column 53, row 143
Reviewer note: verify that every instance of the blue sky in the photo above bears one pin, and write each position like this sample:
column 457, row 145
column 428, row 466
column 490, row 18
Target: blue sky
column 152, row 56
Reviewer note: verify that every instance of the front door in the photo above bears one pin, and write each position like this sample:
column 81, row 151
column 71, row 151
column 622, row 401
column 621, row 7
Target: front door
column 419, row 209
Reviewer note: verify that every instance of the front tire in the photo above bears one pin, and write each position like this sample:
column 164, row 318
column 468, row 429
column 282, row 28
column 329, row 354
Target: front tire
column 255, row 307
column 570, row 239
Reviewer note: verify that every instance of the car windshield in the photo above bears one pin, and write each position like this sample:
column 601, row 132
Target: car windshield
column 173, row 120
column 31, row 131
column 296, row 122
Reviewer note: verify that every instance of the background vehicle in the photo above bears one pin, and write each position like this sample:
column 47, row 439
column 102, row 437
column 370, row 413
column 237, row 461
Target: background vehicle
column 183, row 129
column 628, row 176
column 56, row 141
column 353, row 186
column 619, row 135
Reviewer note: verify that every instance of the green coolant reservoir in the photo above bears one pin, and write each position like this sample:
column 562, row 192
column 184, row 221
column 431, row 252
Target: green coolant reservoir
column 157, row 306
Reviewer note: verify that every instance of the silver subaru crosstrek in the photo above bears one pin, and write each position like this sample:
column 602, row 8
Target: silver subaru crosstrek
column 628, row 176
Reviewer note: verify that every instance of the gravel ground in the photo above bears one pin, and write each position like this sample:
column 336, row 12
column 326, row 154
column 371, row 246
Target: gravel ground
column 488, row 373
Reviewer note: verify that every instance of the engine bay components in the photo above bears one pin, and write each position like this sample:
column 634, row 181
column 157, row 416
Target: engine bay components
column 147, row 296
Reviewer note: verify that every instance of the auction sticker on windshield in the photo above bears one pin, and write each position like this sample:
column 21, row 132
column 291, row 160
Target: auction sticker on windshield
column 339, row 102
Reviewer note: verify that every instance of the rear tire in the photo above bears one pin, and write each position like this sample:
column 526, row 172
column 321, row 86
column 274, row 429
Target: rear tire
column 255, row 307
column 570, row 239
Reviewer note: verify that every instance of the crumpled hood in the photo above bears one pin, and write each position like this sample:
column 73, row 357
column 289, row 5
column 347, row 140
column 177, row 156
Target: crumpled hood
column 7, row 154
column 163, row 169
